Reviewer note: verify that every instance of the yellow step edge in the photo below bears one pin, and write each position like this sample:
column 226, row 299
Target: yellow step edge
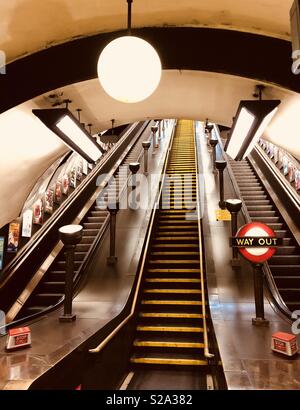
column 176, row 245
column 175, row 261
column 173, row 270
column 176, row 362
column 173, row 280
column 180, row 291
column 172, row 302
column 181, row 329
column 145, row 343
column 171, row 315
column 176, row 253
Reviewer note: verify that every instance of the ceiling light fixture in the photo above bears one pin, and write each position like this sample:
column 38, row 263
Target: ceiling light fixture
column 249, row 124
column 63, row 123
column 129, row 68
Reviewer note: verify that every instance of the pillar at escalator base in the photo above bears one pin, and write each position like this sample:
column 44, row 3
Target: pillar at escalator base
column 258, row 321
column 235, row 263
column 112, row 260
column 67, row 318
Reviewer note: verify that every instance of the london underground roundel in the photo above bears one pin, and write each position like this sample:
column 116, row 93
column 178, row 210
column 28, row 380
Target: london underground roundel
column 263, row 233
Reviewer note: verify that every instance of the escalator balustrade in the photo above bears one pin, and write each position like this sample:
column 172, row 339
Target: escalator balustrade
column 50, row 291
column 285, row 264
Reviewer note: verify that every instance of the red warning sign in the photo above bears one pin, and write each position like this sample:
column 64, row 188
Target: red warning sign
column 256, row 242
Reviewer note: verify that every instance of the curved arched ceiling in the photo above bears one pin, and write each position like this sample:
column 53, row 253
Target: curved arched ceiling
column 30, row 25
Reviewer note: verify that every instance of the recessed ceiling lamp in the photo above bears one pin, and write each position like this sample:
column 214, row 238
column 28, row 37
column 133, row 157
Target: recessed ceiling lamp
column 250, row 122
column 129, row 68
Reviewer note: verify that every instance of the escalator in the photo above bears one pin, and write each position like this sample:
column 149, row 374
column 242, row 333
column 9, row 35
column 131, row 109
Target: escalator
column 49, row 292
column 285, row 264
column 170, row 329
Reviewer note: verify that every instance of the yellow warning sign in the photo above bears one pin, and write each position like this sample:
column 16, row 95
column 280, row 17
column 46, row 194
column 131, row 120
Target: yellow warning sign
column 223, row 215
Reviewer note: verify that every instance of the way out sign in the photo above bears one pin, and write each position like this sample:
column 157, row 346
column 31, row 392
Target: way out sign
column 257, row 242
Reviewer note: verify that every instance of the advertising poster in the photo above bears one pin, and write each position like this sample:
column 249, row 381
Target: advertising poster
column 38, row 212
column 1, row 251
column 276, row 155
column 13, row 237
column 49, row 198
column 280, row 159
column 285, row 164
column 297, row 180
column 79, row 169
column 291, row 172
column 27, row 223
column 65, row 184
column 73, row 177
column 85, row 167
column 58, row 192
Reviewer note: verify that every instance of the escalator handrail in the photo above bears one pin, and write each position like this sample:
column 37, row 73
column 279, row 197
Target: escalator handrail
column 11, row 268
column 207, row 353
column 98, row 348
column 269, row 279
column 23, row 297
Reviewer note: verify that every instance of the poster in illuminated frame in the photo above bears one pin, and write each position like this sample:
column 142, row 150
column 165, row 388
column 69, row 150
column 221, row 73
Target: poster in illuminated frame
column 13, row 237
column 2, row 240
column 27, row 223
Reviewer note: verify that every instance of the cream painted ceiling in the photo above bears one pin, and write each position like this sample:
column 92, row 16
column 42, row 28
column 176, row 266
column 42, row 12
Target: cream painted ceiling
column 26, row 26
column 30, row 25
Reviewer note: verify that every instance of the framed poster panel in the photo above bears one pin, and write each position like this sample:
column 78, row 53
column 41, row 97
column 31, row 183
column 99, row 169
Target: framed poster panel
column 65, row 184
column 297, row 180
column 27, row 223
column 38, row 209
column 291, row 172
column 85, row 169
column 73, row 177
column 276, row 155
column 2, row 240
column 79, row 169
column 13, row 237
column 49, row 200
column 280, row 159
column 58, row 192
column 285, row 164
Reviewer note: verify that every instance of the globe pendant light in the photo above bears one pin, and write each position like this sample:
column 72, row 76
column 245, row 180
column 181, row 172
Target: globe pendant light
column 129, row 68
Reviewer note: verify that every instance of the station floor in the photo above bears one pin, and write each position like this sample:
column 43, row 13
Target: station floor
column 245, row 350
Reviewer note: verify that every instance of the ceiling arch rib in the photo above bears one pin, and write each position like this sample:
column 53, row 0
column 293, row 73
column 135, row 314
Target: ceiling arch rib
column 221, row 51
column 57, row 21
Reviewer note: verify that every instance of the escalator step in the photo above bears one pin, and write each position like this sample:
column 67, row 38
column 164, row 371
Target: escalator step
column 285, row 269
column 168, row 361
column 172, row 329
column 170, row 315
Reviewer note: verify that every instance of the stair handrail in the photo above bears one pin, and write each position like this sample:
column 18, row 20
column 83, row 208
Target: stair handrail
column 207, row 353
column 104, row 342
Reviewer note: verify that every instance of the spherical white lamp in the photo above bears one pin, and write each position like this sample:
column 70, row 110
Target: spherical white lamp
column 129, row 69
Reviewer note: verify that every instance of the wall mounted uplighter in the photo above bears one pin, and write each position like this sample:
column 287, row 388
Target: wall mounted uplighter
column 63, row 123
column 250, row 122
